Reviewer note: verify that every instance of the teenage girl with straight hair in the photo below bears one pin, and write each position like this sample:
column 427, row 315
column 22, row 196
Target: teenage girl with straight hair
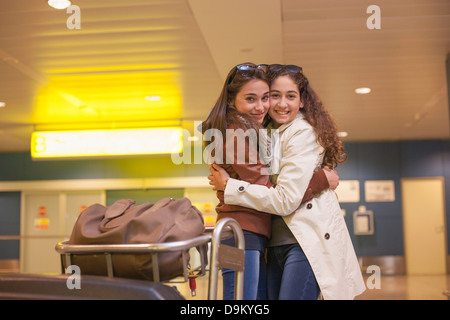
column 310, row 250
column 243, row 104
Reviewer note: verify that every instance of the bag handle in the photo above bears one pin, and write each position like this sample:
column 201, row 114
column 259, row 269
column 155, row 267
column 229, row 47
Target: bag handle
column 118, row 208
column 160, row 203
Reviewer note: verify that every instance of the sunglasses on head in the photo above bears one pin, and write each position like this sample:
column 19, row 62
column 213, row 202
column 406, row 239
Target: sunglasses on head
column 265, row 68
column 247, row 67
column 242, row 68
column 289, row 67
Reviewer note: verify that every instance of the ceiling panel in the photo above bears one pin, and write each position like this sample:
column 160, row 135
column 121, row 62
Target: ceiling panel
column 182, row 50
column 403, row 63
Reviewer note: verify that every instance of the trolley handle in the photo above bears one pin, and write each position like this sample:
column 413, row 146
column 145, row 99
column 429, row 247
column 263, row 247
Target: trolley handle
column 63, row 247
column 218, row 255
column 66, row 250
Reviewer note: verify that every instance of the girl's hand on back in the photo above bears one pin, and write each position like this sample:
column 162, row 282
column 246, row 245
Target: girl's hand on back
column 217, row 177
column 332, row 177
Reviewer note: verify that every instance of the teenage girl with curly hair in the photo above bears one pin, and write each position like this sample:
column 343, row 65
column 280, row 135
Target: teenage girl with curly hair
column 241, row 107
column 310, row 250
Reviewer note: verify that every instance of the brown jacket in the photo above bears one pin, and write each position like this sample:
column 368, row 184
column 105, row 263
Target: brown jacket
column 250, row 219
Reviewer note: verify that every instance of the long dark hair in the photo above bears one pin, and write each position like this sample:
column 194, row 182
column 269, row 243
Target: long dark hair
column 316, row 114
column 236, row 79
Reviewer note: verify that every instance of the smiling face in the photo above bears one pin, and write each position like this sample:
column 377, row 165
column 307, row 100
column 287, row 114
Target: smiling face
column 253, row 98
column 284, row 101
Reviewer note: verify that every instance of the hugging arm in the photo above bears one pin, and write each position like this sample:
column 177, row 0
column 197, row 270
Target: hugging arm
column 321, row 180
column 299, row 157
column 317, row 184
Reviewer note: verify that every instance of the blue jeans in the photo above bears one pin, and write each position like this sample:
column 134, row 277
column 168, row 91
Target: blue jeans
column 290, row 276
column 254, row 273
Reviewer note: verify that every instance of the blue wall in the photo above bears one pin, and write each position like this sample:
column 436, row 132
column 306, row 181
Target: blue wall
column 367, row 161
column 9, row 224
column 391, row 161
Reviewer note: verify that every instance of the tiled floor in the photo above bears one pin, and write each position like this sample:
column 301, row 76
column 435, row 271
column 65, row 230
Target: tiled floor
column 392, row 288
column 410, row 288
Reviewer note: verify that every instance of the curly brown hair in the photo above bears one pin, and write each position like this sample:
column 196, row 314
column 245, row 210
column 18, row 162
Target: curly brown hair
column 316, row 114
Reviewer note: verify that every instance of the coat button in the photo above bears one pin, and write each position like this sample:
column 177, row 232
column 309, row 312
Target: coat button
column 309, row 206
column 327, row 236
column 241, row 188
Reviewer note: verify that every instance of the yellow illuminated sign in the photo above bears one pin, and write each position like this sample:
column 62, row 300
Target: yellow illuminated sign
column 47, row 145
column 107, row 95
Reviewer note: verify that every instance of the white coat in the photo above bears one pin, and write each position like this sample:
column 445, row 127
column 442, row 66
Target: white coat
column 318, row 225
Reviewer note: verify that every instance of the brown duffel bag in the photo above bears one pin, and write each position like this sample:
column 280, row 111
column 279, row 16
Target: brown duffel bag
column 123, row 222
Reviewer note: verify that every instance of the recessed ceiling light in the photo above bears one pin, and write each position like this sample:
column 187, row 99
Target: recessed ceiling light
column 362, row 90
column 59, row 4
column 152, row 98
column 2, row 104
column 342, row 134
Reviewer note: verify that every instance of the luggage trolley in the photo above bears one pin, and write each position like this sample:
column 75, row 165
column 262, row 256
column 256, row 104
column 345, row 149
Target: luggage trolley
column 220, row 255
